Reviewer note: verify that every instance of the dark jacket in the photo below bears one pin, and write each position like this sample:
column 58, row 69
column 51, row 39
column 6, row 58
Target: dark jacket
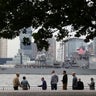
column 80, row 85
column 44, row 85
column 65, row 79
column 92, row 85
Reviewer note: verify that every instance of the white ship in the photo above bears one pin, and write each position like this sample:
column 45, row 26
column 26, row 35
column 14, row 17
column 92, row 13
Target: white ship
column 33, row 68
column 41, row 66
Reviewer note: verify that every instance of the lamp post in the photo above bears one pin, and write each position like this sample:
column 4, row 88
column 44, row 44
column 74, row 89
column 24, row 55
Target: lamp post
column 62, row 52
column 21, row 57
column 22, row 32
column 21, row 61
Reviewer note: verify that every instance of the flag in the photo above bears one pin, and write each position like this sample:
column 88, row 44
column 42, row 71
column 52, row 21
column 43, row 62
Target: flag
column 81, row 51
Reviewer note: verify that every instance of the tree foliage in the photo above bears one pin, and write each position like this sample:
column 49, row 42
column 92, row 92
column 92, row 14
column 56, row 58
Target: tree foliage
column 51, row 16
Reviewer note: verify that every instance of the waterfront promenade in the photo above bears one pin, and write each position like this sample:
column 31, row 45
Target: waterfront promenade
column 48, row 93
column 37, row 91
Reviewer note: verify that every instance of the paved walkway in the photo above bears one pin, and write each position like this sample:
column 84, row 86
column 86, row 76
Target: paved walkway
column 48, row 93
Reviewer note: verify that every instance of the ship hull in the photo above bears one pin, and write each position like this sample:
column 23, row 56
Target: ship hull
column 47, row 71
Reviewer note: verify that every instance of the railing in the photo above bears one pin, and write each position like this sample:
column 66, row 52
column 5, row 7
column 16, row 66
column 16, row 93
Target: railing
column 35, row 88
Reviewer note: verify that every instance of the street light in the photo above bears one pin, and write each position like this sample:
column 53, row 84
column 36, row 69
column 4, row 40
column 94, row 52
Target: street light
column 21, row 59
column 21, row 56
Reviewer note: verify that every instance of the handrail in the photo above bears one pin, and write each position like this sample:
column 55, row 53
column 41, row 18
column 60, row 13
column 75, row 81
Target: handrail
column 7, row 87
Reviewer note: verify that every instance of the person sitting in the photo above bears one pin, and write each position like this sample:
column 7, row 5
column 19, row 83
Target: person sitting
column 24, row 84
column 80, row 85
column 92, row 84
column 44, row 84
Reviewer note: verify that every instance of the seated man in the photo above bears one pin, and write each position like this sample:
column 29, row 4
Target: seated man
column 44, row 84
column 24, row 84
column 80, row 85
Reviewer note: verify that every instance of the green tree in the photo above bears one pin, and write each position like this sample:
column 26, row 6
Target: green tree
column 50, row 16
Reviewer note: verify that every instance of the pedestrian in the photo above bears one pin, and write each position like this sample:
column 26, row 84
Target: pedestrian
column 16, row 82
column 44, row 84
column 64, row 80
column 74, row 81
column 80, row 84
column 92, row 84
column 54, row 80
column 25, row 84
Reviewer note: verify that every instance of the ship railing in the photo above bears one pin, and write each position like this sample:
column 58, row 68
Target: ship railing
column 36, row 88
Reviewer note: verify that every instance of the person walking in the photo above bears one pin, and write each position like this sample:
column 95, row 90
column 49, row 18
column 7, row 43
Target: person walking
column 80, row 85
column 44, row 84
column 54, row 80
column 16, row 82
column 92, row 84
column 74, row 81
column 25, row 84
column 65, row 80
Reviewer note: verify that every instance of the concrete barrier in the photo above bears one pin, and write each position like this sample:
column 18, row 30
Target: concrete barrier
column 47, row 93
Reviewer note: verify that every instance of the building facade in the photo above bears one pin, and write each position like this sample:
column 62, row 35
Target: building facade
column 49, row 55
column 94, row 46
column 52, row 48
column 60, row 51
column 91, row 49
column 3, row 48
column 34, row 51
column 26, row 34
column 76, row 53
column 72, row 45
